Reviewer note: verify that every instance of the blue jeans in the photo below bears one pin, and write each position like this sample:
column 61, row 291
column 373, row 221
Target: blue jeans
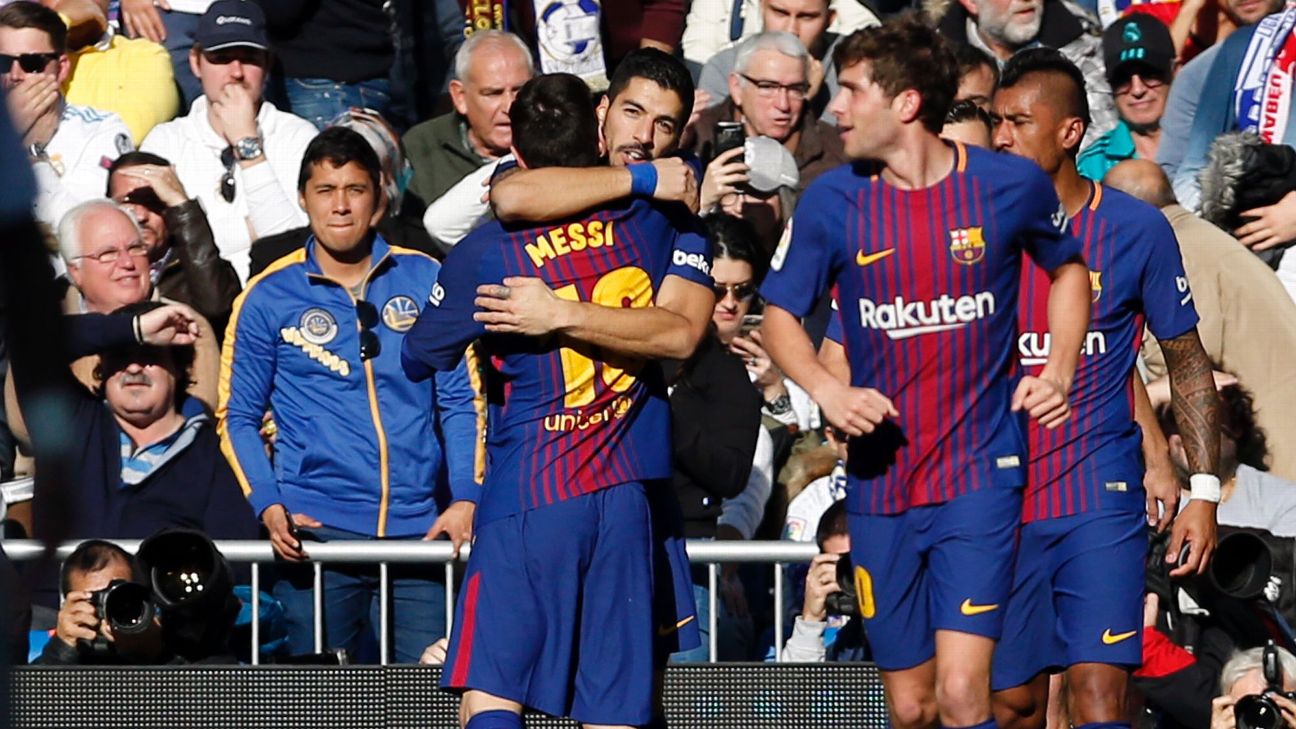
column 318, row 100
column 351, row 603
column 733, row 634
column 180, row 28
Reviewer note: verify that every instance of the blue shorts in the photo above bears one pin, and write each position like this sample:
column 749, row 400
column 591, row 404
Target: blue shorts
column 1077, row 596
column 941, row 567
column 571, row 608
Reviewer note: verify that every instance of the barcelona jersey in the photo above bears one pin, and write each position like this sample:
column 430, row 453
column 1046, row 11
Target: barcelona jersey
column 565, row 418
column 1092, row 462
column 927, row 282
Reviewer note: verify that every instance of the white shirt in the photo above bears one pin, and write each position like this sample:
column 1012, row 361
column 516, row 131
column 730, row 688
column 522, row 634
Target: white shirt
column 745, row 511
column 265, row 194
column 456, row 213
column 707, row 28
column 805, row 511
column 85, row 143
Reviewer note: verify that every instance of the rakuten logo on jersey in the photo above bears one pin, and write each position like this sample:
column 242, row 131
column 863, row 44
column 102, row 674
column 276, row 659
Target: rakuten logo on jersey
column 1033, row 347
column 902, row 319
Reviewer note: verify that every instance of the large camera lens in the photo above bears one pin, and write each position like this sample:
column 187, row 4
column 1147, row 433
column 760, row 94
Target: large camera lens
column 1257, row 711
column 128, row 607
column 845, row 602
column 181, row 568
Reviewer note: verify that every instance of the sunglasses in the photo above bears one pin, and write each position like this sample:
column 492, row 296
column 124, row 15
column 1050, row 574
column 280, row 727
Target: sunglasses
column 367, row 315
column 227, row 180
column 28, row 62
column 741, row 291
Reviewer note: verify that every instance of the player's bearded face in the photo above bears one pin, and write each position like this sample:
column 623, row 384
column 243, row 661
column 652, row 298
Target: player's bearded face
column 642, row 123
column 864, row 114
column 343, row 206
column 1011, row 22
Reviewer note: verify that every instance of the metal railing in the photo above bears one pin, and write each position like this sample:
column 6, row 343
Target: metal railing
column 385, row 552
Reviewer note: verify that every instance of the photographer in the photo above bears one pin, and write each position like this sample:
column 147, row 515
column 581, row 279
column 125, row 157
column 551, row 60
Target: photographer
column 821, row 633
column 83, row 635
column 1243, row 677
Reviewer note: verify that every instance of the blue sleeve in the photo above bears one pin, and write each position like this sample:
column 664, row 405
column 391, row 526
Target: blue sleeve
column 1213, row 116
column 1046, row 233
column 457, row 418
column 445, row 327
column 1167, row 298
column 246, row 379
column 691, row 252
column 806, row 261
column 19, row 190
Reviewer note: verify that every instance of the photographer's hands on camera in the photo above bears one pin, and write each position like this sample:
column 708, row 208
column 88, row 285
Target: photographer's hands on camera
column 820, row 583
column 1224, row 715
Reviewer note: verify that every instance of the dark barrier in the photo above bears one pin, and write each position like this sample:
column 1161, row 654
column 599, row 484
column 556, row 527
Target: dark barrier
column 722, row 696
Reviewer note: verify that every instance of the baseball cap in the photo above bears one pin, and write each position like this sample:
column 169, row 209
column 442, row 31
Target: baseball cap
column 232, row 23
column 1138, row 39
column 769, row 165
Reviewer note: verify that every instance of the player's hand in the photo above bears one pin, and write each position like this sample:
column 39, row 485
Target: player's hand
column 1162, row 486
column 1195, row 526
column 1272, row 225
column 521, row 305
column 173, row 324
column 1044, row 399
column 282, row 539
column 142, row 19
column 235, row 109
column 855, row 410
column 676, row 182
column 455, row 522
column 162, row 178
column 723, row 177
column 758, row 362
column 1222, row 716
column 820, row 582
column 30, row 100
column 435, row 654
column 76, row 619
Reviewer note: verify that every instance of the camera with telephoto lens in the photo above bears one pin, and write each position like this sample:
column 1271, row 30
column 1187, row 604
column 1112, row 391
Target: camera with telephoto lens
column 1260, row 711
column 127, row 608
column 845, row 601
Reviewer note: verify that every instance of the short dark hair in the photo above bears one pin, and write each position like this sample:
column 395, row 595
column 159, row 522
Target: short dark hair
column 832, row 523
column 968, row 110
column 906, row 53
column 1050, row 62
column 554, row 124
column 659, row 67
column 735, row 238
column 134, row 158
column 340, row 146
column 35, row 15
column 970, row 58
column 93, row 555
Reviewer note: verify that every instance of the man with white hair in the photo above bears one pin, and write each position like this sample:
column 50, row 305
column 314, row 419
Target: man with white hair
column 490, row 68
column 1243, row 676
column 1003, row 27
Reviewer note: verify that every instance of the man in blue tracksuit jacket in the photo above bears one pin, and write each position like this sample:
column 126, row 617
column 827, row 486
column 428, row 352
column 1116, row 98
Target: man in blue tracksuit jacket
column 359, row 450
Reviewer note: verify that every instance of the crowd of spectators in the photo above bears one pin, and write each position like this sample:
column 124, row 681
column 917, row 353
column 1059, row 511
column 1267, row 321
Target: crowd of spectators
column 186, row 151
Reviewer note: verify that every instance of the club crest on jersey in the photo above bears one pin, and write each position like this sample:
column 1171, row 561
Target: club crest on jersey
column 967, row 245
column 317, row 326
column 1095, row 284
column 399, row 313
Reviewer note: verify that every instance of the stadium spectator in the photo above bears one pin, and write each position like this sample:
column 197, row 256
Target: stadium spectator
column 361, row 452
column 978, row 76
column 768, row 91
column 969, row 123
column 1140, row 67
column 1243, row 676
column 69, row 146
column 147, row 455
column 130, row 77
column 807, row 506
column 236, row 151
column 1248, row 322
column 184, row 264
column 490, row 67
column 1000, row 30
column 172, row 24
column 818, row 635
column 331, row 55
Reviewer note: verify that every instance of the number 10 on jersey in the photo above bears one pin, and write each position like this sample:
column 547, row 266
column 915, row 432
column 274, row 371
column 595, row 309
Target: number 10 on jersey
column 627, row 287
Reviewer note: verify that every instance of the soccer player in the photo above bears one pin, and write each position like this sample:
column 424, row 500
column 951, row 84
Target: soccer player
column 558, row 608
column 923, row 240
column 1077, row 600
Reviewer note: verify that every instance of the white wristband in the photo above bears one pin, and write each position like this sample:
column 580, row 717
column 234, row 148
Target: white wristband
column 1205, row 487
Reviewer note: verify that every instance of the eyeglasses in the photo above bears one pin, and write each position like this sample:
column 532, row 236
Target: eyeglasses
column 367, row 315
column 227, row 180
column 770, row 89
column 109, row 256
column 1123, row 82
column 28, row 62
column 741, row 291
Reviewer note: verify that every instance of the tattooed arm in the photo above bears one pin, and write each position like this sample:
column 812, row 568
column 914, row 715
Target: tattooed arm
column 1196, row 411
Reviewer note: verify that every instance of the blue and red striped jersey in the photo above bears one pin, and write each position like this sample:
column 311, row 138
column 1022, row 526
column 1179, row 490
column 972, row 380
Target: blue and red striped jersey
column 927, row 283
column 1092, row 462
column 564, row 418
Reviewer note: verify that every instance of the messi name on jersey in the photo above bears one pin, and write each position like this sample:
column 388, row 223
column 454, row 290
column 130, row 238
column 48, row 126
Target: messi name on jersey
column 571, row 238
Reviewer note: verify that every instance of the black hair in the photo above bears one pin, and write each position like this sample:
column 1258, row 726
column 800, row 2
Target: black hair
column 93, row 555
column 970, row 58
column 736, row 239
column 34, row 15
column 134, row 158
column 1050, row 61
column 554, row 124
column 906, row 53
column 832, row 523
column 659, row 67
column 968, row 110
column 340, row 146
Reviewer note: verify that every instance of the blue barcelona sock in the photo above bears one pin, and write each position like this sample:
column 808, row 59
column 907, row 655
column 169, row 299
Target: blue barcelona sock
column 497, row 719
column 987, row 724
column 1105, row 725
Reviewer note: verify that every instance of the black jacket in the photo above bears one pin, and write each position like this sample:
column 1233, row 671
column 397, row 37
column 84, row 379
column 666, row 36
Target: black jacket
column 196, row 274
column 715, row 416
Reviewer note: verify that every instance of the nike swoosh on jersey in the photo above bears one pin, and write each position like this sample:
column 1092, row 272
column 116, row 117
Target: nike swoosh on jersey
column 1109, row 639
column 665, row 630
column 967, row 608
column 864, row 259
